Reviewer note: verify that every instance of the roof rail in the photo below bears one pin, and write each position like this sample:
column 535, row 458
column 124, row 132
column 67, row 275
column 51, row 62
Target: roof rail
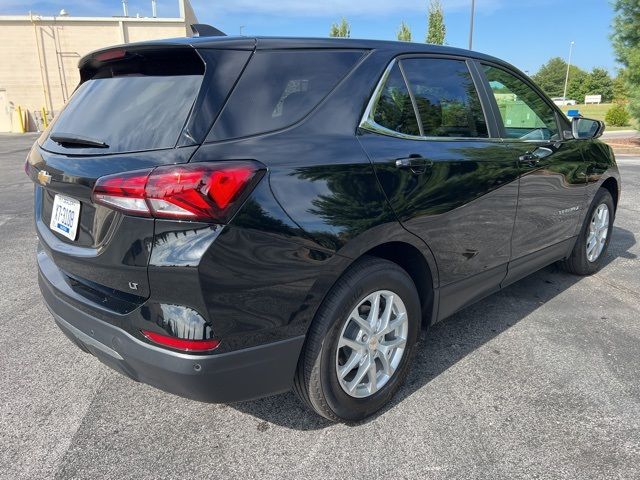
column 204, row 30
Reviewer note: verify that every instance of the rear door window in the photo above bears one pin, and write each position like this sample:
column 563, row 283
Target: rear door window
column 446, row 97
column 278, row 88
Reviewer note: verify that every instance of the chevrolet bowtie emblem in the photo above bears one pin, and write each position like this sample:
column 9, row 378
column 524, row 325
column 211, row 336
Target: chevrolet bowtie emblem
column 44, row 178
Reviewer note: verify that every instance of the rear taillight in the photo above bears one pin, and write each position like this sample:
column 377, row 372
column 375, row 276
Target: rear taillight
column 198, row 191
column 182, row 344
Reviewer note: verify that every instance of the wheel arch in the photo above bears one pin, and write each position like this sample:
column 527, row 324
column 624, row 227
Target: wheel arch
column 412, row 261
column 391, row 242
column 611, row 184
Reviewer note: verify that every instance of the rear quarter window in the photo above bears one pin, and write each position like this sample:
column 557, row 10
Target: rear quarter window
column 279, row 88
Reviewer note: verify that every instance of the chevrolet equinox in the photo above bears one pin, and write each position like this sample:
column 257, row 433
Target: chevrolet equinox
column 229, row 218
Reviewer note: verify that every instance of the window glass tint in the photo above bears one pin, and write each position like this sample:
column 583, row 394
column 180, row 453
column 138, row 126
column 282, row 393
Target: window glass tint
column 524, row 113
column 130, row 113
column 447, row 101
column 394, row 109
column 137, row 102
column 278, row 88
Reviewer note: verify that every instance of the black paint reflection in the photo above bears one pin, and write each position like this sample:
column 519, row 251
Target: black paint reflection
column 183, row 244
column 463, row 206
column 177, row 321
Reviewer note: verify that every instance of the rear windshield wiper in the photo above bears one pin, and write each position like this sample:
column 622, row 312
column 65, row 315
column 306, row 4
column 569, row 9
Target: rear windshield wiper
column 77, row 140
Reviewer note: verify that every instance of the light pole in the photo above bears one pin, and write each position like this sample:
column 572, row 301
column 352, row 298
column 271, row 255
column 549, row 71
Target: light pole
column 566, row 78
column 473, row 9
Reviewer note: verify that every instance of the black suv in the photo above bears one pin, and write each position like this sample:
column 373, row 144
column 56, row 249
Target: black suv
column 228, row 218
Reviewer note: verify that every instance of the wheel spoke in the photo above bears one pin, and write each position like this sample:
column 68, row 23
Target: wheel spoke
column 397, row 322
column 386, row 366
column 386, row 315
column 362, row 371
column 372, row 318
column 361, row 322
column 352, row 344
column 602, row 234
column 350, row 364
column 373, row 376
column 605, row 218
column 391, row 344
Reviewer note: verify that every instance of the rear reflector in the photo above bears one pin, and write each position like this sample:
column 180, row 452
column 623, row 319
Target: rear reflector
column 182, row 344
column 198, row 191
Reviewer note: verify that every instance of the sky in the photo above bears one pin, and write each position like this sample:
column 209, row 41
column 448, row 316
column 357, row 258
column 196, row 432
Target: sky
column 525, row 33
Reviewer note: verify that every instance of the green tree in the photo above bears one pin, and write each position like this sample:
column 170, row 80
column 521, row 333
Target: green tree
column 599, row 82
column 552, row 74
column 342, row 29
column 626, row 43
column 436, row 29
column 577, row 86
column 620, row 92
column 404, row 32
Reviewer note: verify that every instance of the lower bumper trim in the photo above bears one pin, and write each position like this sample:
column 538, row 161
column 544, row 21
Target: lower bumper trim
column 220, row 378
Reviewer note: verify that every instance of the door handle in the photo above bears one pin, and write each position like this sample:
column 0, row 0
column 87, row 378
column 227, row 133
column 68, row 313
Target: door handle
column 529, row 158
column 415, row 163
column 534, row 157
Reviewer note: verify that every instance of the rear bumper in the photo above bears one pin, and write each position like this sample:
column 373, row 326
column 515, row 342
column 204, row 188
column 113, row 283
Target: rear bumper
column 221, row 378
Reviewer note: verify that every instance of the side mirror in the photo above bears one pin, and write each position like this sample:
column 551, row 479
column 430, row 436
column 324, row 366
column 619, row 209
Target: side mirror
column 585, row 128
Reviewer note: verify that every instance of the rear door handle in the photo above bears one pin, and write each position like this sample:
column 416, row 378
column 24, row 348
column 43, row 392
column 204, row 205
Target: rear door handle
column 415, row 163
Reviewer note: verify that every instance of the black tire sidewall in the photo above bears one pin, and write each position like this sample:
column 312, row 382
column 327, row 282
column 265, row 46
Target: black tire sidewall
column 392, row 279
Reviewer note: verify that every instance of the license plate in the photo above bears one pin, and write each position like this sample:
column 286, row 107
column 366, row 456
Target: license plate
column 65, row 216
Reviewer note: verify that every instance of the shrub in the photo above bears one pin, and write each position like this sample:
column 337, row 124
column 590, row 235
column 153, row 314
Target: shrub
column 617, row 116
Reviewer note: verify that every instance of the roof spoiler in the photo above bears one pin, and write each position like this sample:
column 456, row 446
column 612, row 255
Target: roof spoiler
column 204, row 30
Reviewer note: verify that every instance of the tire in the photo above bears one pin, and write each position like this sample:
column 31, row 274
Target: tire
column 579, row 262
column 317, row 382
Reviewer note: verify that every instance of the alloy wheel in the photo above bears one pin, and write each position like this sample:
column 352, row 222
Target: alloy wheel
column 598, row 231
column 372, row 343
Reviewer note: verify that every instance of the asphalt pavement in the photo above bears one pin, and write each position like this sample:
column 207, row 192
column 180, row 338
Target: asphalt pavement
column 612, row 134
column 541, row 380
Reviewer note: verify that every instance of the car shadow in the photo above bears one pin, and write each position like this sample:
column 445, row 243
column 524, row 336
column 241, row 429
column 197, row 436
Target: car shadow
column 448, row 342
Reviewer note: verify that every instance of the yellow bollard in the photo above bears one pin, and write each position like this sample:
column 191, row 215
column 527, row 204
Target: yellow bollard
column 45, row 122
column 22, row 126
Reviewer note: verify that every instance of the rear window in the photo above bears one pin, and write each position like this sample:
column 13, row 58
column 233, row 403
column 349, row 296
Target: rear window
column 131, row 105
column 279, row 88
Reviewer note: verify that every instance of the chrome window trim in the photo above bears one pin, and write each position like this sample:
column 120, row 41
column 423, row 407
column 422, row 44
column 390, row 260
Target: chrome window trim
column 414, row 103
column 368, row 123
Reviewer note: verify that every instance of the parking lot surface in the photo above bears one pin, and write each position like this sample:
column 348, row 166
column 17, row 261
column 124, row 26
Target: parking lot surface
column 541, row 380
